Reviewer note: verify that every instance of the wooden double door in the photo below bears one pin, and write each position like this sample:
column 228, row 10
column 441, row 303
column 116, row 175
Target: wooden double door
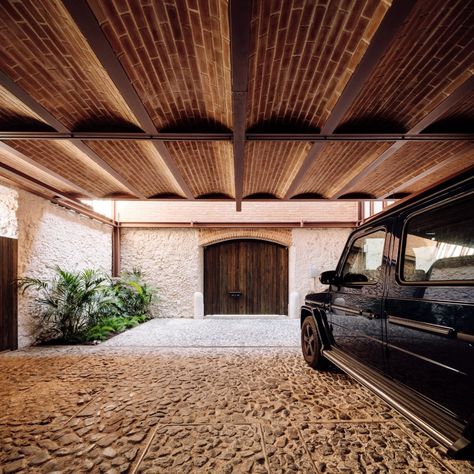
column 246, row 277
column 8, row 294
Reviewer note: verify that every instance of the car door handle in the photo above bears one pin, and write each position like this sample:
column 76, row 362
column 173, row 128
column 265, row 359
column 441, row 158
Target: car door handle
column 369, row 314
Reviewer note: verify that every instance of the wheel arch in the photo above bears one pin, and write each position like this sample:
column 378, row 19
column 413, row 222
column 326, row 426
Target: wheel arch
column 319, row 316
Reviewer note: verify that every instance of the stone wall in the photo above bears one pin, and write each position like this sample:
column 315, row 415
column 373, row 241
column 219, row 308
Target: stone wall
column 317, row 248
column 8, row 208
column 49, row 235
column 171, row 260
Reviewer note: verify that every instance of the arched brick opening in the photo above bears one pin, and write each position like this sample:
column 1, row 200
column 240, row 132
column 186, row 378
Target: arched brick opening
column 212, row 236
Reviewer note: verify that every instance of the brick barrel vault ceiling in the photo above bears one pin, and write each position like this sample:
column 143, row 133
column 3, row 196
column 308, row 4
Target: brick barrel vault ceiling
column 177, row 55
column 429, row 58
column 66, row 160
column 337, row 164
column 207, row 167
column 44, row 52
column 270, row 167
column 139, row 163
column 411, row 160
column 302, row 55
column 14, row 115
column 11, row 160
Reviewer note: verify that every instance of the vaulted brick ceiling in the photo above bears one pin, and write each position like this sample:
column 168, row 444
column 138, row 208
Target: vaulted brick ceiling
column 143, row 99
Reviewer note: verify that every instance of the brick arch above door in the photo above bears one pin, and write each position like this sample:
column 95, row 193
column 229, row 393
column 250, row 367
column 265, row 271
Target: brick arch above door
column 212, row 236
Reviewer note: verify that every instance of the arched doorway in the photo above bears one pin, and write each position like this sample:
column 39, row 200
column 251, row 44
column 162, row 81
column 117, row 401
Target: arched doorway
column 245, row 276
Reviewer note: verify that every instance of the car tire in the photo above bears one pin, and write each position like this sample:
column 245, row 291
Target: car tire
column 311, row 345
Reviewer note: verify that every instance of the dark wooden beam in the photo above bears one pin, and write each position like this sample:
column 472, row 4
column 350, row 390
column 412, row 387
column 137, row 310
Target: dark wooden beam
column 462, row 91
column 20, row 156
column 90, row 28
column 392, row 22
column 240, row 16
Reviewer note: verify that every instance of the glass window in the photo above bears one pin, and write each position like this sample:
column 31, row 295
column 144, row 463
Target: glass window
column 364, row 261
column 439, row 244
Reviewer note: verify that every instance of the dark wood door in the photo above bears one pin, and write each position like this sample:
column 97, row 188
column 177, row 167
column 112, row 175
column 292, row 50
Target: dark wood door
column 246, row 277
column 8, row 294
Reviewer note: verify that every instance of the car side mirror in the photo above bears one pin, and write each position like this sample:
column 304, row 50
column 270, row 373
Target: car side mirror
column 328, row 278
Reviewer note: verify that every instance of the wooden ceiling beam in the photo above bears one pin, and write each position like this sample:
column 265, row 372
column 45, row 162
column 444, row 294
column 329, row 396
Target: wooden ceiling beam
column 240, row 16
column 86, row 21
column 12, row 151
column 462, row 91
column 390, row 25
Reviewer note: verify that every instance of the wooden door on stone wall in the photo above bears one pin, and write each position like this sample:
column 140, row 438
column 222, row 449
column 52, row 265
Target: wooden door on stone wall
column 245, row 277
column 8, row 294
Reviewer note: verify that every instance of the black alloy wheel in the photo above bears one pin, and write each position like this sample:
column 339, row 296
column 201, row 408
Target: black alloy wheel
column 311, row 345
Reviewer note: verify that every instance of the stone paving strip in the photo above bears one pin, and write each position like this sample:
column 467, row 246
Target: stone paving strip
column 142, row 410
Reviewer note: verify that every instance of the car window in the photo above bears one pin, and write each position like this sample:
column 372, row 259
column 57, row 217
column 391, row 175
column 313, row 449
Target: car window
column 439, row 244
column 364, row 261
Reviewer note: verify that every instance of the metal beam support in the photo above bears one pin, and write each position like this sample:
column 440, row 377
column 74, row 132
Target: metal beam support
column 253, row 136
column 240, row 16
column 90, row 28
column 392, row 22
column 58, row 196
column 43, row 169
column 462, row 91
column 236, row 224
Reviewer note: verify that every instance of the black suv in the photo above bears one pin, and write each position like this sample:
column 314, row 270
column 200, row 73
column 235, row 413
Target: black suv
column 399, row 312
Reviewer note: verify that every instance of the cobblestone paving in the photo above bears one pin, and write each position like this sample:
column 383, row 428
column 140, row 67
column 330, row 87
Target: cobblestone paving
column 118, row 410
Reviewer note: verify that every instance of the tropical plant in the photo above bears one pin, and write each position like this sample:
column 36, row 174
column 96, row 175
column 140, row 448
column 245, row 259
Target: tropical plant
column 113, row 325
column 132, row 296
column 69, row 303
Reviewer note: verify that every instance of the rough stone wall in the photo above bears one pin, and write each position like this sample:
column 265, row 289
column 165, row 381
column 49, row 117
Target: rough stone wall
column 172, row 262
column 320, row 248
column 8, row 208
column 48, row 236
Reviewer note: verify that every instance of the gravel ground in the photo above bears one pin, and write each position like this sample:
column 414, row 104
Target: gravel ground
column 105, row 409
column 217, row 332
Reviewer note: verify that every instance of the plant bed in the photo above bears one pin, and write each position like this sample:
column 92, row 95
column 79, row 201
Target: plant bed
column 88, row 307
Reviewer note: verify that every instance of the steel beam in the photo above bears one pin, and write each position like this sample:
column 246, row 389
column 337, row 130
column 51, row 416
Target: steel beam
column 17, row 154
column 252, row 136
column 391, row 24
column 462, row 91
column 240, row 16
column 91, row 30
column 236, row 224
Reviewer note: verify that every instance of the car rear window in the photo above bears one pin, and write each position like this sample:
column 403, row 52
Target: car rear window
column 439, row 244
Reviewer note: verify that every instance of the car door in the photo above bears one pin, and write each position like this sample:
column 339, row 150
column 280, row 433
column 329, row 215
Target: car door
column 356, row 305
column 430, row 305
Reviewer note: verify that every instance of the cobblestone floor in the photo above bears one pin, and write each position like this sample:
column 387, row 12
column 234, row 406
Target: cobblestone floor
column 221, row 410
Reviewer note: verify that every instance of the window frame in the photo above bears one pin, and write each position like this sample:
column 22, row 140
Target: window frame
column 347, row 250
column 403, row 243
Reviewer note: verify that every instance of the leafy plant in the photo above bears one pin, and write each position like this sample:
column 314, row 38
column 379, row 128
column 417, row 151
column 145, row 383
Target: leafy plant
column 69, row 303
column 109, row 326
column 132, row 296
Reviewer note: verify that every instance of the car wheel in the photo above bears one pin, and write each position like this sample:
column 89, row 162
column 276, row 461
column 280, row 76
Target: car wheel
column 311, row 345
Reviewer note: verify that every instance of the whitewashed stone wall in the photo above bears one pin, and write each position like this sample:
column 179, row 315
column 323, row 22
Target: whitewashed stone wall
column 8, row 208
column 318, row 248
column 49, row 235
column 171, row 260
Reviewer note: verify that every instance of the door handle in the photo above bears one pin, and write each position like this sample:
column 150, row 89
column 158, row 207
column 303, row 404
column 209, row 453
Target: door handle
column 235, row 294
column 369, row 314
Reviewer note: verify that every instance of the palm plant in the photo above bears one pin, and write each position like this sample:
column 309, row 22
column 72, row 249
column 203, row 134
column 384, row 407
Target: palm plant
column 69, row 303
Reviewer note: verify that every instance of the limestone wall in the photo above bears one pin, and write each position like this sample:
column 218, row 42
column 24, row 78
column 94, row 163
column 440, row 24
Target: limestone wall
column 172, row 262
column 318, row 248
column 8, row 208
column 49, row 235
